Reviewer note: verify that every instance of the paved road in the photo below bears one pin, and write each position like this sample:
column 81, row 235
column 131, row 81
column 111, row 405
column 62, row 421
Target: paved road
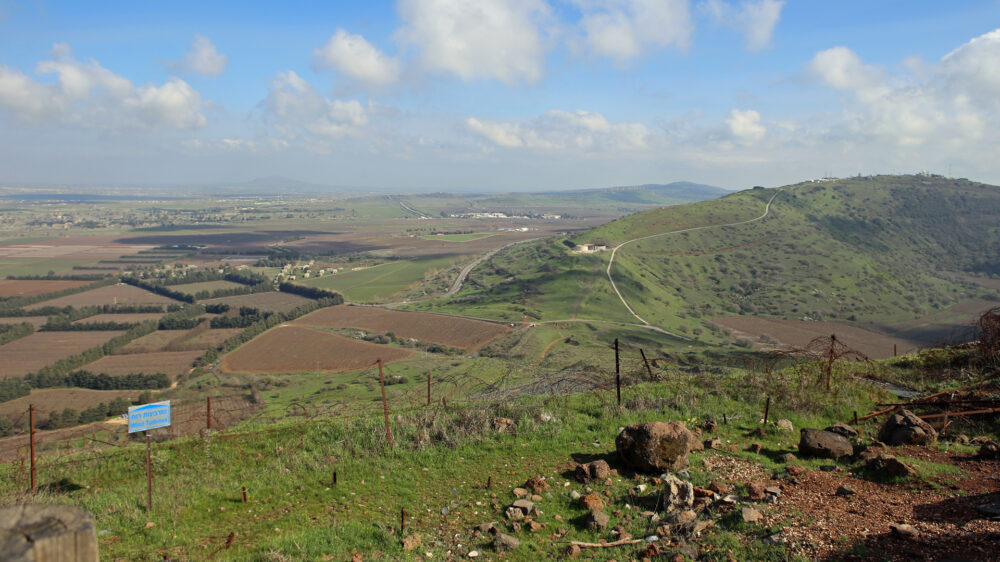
column 767, row 209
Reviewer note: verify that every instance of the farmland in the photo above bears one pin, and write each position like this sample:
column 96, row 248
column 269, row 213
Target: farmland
column 193, row 288
column 776, row 332
column 381, row 282
column 111, row 295
column 127, row 318
column 33, row 352
column 292, row 349
column 56, row 399
column 441, row 329
column 273, row 301
column 178, row 340
column 19, row 288
column 171, row 363
column 36, row 321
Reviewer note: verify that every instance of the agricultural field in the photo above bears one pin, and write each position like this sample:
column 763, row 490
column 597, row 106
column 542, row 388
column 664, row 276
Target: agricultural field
column 28, row 354
column 48, row 400
column 441, row 329
column 126, row 318
column 193, row 288
column 36, row 321
column 459, row 237
column 292, row 349
column 110, row 295
column 16, row 288
column 273, row 301
column 773, row 333
column 178, row 340
column 382, row 282
column 171, row 363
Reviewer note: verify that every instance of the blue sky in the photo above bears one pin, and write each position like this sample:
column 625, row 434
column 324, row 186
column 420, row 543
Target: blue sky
column 496, row 94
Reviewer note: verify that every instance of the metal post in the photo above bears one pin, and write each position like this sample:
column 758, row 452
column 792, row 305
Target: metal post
column 243, row 494
column 618, row 377
column 208, row 412
column 893, row 350
column 428, row 388
column 31, row 425
column 385, row 405
column 334, row 478
column 644, row 360
column 829, row 364
column 767, row 409
column 402, row 521
column 855, row 419
column 149, row 475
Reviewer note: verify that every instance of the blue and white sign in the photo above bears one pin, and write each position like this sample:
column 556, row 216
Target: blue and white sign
column 148, row 416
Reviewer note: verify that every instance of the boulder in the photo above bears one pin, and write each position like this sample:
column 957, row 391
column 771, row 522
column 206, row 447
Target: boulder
column 656, row 446
column 905, row 428
column 597, row 521
column 505, row 543
column 47, row 532
column 750, row 515
column 842, row 429
column 596, row 470
column 989, row 450
column 536, row 484
column 824, row 444
column 786, row 425
column 677, row 493
column 593, row 502
column 890, row 466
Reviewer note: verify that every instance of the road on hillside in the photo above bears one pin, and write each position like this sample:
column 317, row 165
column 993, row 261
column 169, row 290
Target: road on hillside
column 767, row 209
column 457, row 285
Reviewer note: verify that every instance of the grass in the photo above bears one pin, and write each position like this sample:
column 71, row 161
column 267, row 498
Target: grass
column 382, row 282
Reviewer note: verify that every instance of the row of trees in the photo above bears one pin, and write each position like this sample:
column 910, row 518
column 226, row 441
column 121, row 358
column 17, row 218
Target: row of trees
column 11, row 332
column 54, row 374
column 311, row 292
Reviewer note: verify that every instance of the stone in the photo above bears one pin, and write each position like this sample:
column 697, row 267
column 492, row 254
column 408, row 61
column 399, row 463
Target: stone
column 869, row 453
column 677, row 493
column 756, row 448
column 773, row 490
column 786, row 425
column 720, row 487
column 411, row 542
column 703, row 492
column 709, row 425
column 663, row 531
column 574, row 495
column 503, row 424
column 592, row 501
column 572, row 551
column 520, row 492
column 514, row 514
column 845, row 491
column 888, row 465
column 787, row 458
column 991, row 510
column 701, row 526
column 842, row 429
column 596, row 470
column 828, row 467
column 526, row 506
column 904, row 530
column 47, row 532
column 730, row 498
column 473, row 554
column 756, row 491
column 655, row 447
column 989, row 450
column 713, row 443
column 536, row 498
column 962, row 439
column 597, row 520
column 535, row 526
column 905, row 428
column 505, row 543
column 486, row 527
column 685, row 517
column 795, row 470
column 750, row 515
column 824, row 444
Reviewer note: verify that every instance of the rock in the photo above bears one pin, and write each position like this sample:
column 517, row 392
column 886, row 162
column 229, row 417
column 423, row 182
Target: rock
column 905, row 428
column 574, row 495
column 473, row 554
column 787, row 458
column 824, row 444
column 730, row 498
column 503, row 424
column 701, row 526
column 904, row 530
column 47, row 532
column 845, row 491
column 869, row 453
column 709, row 425
column 514, row 514
column 485, row 527
column 536, row 498
column 775, row 539
column 597, row 470
column 720, row 487
column 756, row 448
column 677, row 493
column 979, row 440
column 572, row 551
column 593, row 502
column 750, row 515
column 685, row 517
column 655, row 446
column 714, row 443
column 962, row 439
column 703, row 492
column 828, row 467
column 663, row 531
column 756, row 491
column 520, row 492
column 505, row 543
column 991, row 510
column 786, row 425
column 535, row 526
column 640, row 489
column 527, row 507
column 842, row 429
column 536, row 484
column 989, row 450
column 795, row 470
column 597, row 520
column 773, row 490
column 888, row 465
column 411, row 542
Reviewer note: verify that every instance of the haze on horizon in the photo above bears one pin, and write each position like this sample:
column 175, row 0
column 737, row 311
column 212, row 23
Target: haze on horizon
column 497, row 94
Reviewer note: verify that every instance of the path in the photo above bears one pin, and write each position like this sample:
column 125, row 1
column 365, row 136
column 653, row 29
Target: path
column 767, row 209
column 406, row 207
column 457, row 285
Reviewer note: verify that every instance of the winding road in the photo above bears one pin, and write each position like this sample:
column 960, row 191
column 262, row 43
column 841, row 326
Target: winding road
column 767, row 209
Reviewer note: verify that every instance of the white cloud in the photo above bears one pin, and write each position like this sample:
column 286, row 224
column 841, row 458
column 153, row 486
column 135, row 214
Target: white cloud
column 90, row 96
column 745, row 126
column 558, row 130
column 755, row 19
column 841, row 68
column 485, row 39
column 299, row 108
column 352, row 56
column 201, row 58
column 623, row 29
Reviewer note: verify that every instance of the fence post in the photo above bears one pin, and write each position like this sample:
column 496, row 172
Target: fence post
column 644, row 360
column 767, row 409
column 31, row 425
column 428, row 388
column 149, row 475
column 618, row 377
column 208, row 412
column 385, row 405
column 829, row 364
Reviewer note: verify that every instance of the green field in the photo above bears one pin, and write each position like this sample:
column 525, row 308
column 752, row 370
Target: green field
column 36, row 266
column 192, row 288
column 382, row 282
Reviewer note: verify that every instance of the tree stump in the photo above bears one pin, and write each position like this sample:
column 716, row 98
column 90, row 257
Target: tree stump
column 36, row 533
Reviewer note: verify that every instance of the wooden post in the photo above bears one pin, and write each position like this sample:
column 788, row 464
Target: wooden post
column 893, row 350
column 334, row 478
column 208, row 412
column 402, row 521
column 648, row 369
column 618, row 377
column 767, row 409
column 31, row 430
column 829, row 364
column 149, row 475
column 385, row 405
column 428, row 388
column 243, row 494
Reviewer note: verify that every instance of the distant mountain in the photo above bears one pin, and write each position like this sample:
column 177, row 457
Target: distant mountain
column 651, row 193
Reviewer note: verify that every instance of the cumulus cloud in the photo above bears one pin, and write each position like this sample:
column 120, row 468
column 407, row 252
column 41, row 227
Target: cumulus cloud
column 745, row 126
column 485, row 39
column 755, row 19
column 298, row 108
column 624, row 29
column 558, row 130
column 201, row 58
column 358, row 59
column 90, row 96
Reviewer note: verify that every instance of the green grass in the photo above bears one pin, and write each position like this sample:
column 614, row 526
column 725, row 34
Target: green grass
column 39, row 266
column 382, row 282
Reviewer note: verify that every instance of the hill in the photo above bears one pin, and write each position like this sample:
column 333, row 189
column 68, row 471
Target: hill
column 866, row 251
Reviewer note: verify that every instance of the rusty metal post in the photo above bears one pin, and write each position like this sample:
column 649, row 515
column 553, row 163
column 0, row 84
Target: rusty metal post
column 385, row 405
column 149, row 475
column 893, row 350
column 243, row 494
column 644, row 360
column 618, row 377
column 31, row 425
column 489, row 483
column 855, row 419
column 428, row 388
column 402, row 521
column 208, row 412
column 767, row 409
column 829, row 364
column 334, row 478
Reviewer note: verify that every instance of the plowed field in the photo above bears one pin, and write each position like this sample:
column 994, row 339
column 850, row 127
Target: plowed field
column 291, row 349
column 796, row 333
column 178, row 340
column 172, row 363
column 452, row 331
column 268, row 302
column 114, row 294
column 128, row 318
column 57, row 399
column 15, row 288
column 28, row 354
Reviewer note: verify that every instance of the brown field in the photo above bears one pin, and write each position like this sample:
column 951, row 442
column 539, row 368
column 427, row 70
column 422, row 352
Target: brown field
column 15, row 288
column 113, row 294
column 452, row 331
column 77, row 247
column 192, row 288
column 36, row 321
column 178, row 340
column 28, row 354
column 796, row 333
column 269, row 302
column 291, row 349
column 137, row 318
column 172, row 363
column 57, row 399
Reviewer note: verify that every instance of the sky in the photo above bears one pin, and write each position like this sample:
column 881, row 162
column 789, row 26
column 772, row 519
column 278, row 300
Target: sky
column 511, row 95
